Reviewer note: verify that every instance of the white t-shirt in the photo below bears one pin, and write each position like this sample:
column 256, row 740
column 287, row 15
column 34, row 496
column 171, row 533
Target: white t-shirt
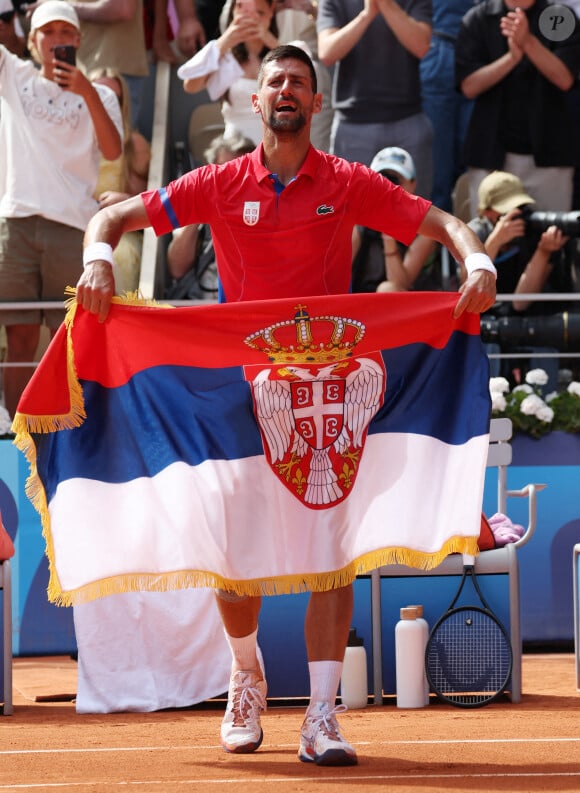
column 49, row 157
column 238, row 112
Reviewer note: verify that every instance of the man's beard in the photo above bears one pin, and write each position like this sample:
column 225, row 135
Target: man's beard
column 293, row 124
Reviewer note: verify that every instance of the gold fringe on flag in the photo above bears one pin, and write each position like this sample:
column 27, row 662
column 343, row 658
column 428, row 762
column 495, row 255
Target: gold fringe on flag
column 278, row 585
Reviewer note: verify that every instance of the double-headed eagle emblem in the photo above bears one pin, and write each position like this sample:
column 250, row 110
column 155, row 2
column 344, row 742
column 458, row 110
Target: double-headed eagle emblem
column 315, row 405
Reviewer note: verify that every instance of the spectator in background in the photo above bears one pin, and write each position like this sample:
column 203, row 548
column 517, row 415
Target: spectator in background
column 527, row 262
column 121, row 178
column 54, row 127
column 112, row 37
column 228, row 67
column 208, row 12
column 519, row 81
column 189, row 36
column 375, row 47
column 11, row 33
column 172, row 33
column 380, row 263
column 574, row 103
column 448, row 109
column 190, row 255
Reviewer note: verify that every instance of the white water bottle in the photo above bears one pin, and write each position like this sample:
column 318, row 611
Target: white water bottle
column 425, row 626
column 354, row 690
column 410, row 660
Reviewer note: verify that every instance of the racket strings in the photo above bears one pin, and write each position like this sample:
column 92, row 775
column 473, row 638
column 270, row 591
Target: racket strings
column 469, row 657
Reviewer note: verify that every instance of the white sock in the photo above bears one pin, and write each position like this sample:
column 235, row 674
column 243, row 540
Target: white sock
column 324, row 681
column 244, row 651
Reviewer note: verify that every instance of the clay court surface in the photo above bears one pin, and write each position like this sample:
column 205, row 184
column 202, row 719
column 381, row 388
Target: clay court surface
column 531, row 746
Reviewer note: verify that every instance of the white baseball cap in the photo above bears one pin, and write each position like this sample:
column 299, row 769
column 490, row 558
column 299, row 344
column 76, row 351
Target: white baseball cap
column 395, row 160
column 54, row 11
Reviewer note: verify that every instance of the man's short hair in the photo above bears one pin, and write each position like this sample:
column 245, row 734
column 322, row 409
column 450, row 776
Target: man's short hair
column 288, row 51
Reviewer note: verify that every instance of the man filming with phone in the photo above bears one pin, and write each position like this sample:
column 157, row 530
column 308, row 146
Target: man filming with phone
column 54, row 127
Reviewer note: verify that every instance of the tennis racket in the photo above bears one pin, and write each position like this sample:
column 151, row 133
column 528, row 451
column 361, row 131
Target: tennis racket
column 468, row 657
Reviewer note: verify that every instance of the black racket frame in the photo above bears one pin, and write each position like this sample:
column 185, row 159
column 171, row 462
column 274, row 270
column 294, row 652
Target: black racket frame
column 477, row 702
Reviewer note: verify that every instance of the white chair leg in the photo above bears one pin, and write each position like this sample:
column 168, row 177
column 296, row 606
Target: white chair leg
column 7, row 636
column 377, row 639
column 515, row 630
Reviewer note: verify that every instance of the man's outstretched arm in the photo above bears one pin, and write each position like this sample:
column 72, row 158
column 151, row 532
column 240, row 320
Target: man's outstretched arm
column 478, row 292
column 96, row 285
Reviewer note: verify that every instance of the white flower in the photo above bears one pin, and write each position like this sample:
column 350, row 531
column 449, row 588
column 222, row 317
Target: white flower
column 498, row 401
column 498, row 385
column 545, row 414
column 532, row 404
column 5, row 421
column 534, row 414
column 536, row 377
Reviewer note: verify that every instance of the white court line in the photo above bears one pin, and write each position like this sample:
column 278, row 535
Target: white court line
column 205, row 747
column 285, row 780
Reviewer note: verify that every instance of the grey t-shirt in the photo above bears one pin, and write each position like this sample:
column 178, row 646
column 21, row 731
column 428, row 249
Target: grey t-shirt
column 378, row 80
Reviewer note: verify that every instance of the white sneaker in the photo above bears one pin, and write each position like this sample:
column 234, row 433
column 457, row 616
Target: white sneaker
column 320, row 738
column 241, row 731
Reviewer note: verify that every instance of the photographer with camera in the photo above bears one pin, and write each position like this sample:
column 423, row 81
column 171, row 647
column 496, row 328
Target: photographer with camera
column 530, row 252
column 525, row 254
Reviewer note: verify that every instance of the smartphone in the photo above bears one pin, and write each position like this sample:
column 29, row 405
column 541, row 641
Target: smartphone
column 66, row 53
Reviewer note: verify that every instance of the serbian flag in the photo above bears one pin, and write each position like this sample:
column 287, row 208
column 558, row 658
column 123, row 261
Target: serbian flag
column 262, row 447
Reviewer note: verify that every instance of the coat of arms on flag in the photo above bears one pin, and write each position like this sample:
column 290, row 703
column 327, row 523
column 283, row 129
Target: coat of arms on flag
column 315, row 404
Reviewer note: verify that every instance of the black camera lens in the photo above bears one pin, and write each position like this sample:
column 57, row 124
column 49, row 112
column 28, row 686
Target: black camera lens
column 567, row 222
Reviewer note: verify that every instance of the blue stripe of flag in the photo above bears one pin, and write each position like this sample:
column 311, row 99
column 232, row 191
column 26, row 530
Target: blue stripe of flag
column 166, row 414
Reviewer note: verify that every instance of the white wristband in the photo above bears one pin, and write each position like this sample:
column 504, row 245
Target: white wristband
column 98, row 252
column 479, row 261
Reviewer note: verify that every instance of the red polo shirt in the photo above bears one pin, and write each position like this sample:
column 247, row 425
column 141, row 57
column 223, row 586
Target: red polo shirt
column 294, row 243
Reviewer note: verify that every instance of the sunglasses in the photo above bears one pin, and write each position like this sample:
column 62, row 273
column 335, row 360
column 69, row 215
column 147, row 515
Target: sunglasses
column 7, row 16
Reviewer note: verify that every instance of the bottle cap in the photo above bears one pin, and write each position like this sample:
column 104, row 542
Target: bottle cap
column 409, row 613
column 353, row 639
column 418, row 608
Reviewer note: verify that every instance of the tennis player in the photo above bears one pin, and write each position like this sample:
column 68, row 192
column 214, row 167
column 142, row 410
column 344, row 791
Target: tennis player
column 282, row 220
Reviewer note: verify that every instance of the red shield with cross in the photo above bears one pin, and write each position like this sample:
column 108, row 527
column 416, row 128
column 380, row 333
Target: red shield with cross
column 318, row 408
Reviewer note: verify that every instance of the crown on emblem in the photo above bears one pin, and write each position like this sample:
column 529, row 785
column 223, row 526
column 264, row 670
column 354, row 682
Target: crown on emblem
column 306, row 339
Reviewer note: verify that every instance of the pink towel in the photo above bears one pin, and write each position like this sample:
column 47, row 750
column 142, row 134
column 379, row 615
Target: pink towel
column 504, row 530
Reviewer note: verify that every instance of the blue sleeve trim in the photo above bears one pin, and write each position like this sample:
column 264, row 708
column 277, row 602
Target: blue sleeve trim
column 168, row 208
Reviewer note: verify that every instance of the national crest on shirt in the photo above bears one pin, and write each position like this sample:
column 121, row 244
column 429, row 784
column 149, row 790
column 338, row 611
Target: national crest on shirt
column 251, row 212
column 315, row 402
